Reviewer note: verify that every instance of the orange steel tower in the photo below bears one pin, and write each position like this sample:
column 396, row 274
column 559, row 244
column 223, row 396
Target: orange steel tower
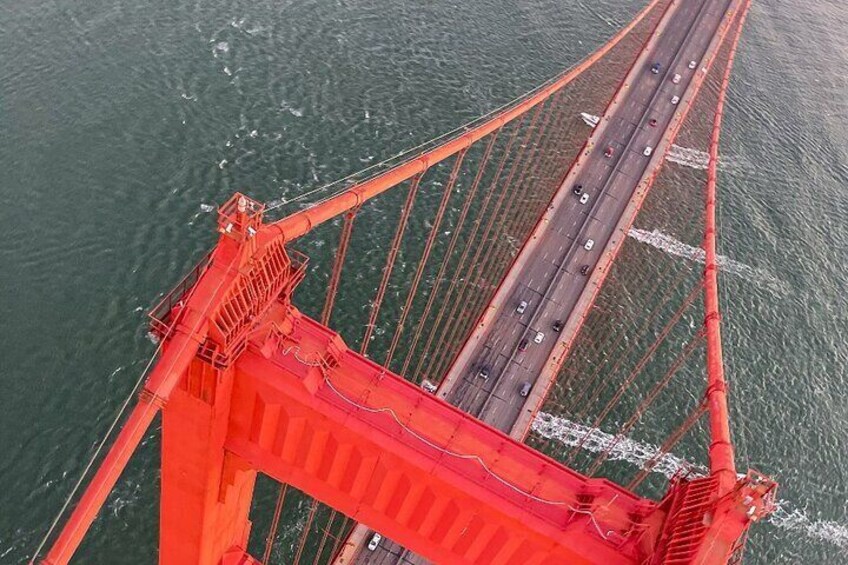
column 246, row 384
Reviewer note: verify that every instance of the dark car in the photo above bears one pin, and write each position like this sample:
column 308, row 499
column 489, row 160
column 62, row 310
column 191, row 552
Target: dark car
column 578, row 189
column 525, row 389
column 557, row 327
column 652, row 122
column 584, row 270
column 656, row 68
column 523, row 345
column 484, row 373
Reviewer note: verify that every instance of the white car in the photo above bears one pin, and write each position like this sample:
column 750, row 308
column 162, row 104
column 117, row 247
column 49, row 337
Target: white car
column 590, row 243
column 522, row 306
column 692, row 64
column 375, row 541
column 584, row 198
column 675, row 79
column 539, row 337
column 675, row 100
column 647, row 151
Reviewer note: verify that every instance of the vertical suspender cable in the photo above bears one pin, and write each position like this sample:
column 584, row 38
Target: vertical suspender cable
column 493, row 262
column 422, row 263
column 469, row 199
column 668, row 445
column 453, row 319
column 305, row 533
column 491, row 215
column 338, row 263
column 633, row 374
column 647, row 401
column 592, row 382
column 275, row 524
column 338, row 540
column 327, row 528
column 434, row 328
column 390, row 261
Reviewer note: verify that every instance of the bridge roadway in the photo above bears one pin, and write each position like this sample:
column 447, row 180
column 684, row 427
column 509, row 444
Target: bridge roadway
column 550, row 280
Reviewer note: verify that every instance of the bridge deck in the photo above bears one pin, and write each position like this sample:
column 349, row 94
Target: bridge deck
column 546, row 274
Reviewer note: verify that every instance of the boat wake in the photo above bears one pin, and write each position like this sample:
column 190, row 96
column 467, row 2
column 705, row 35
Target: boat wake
column 624, row 449
column 570, row 434
column 688, row 157
column 672, row 246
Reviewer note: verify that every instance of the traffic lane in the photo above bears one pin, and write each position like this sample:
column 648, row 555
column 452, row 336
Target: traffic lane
column 511, row 327
column 507, row 403
column 510, row 377
column 631, row 165
column 625, row 172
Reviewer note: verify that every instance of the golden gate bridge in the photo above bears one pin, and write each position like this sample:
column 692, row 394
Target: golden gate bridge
column 525, row 297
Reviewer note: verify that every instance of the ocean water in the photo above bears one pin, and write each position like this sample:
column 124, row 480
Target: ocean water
column 124, row 122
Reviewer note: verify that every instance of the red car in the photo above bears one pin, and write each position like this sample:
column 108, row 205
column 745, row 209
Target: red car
column 608, row 152
column 652, row 122
column 523, row 345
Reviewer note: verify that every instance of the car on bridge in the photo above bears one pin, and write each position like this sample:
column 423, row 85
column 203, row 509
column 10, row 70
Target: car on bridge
column 522, row 346
column 656, row 69
column 585, row 198
column 693, row 64
column 525, row 389
column 578, row 189
column 608, row 152
column 590, row 243
column 648, row 150
column 676, row 78
column 675, row 100
column 584, row 270
column 652, row 122
column 375, row 541
column 558, row 325
column 539, row 337
column 522, row 306
column 483, row 373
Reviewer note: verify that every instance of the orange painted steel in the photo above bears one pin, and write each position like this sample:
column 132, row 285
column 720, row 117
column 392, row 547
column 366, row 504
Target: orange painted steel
column 338, row 265
column 247, row 384
column 308, row 411
column 721, row 448
column 284, row 395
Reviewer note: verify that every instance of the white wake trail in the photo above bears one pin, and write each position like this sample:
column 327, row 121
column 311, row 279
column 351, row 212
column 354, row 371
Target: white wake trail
column 672, row 246
column 688, row 157
column 571, row 433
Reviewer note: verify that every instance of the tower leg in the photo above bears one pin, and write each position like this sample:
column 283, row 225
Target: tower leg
column 206, row 492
